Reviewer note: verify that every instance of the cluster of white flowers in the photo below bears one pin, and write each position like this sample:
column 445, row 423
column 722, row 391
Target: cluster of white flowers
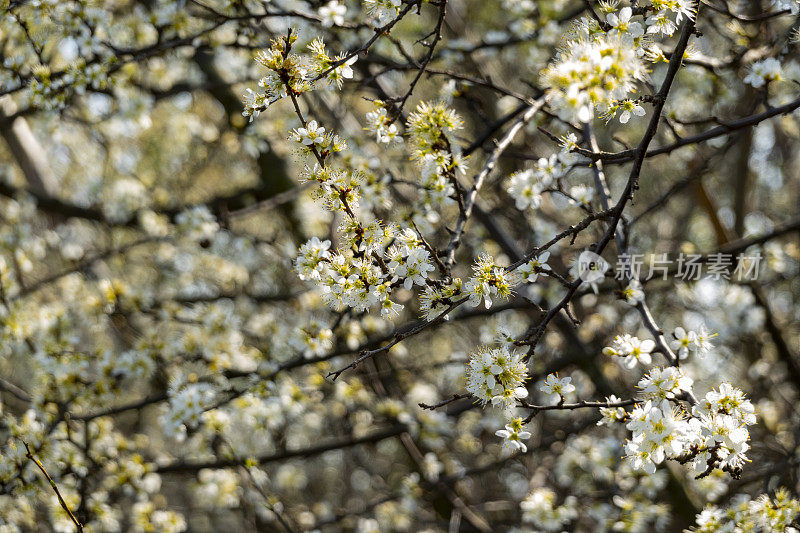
column 201, row 325
column 147, row 518
column 526, row 186
column 587, row 469
column 665, row 383
column 713, row 435
column 592, row 69
column 287, row 73
column 312, row 137
column 723, row 415
column 381, row 126
column 334, row 69
column 631, row 349
column 496, row 375
column 313, row 339
column 658, row 431
column 436, row 299
column 692, row 342
column 436, row 178
column 489, row 280
column 197, row 223
column 430, row 129
column 382, row 11
column 540, row 509
column 46, row 91
column 611, row 415
column 661, row 21
column 186, row 406
column 762, row 72
column 409, row 260
column 429, row 126
column 362, row 274
column 597, row 67
column 357, row 282
column 311, row 257
column 293, row 74
column 123, row 198
column 339, row 189
column 217, row 488
column 525, row 189
column 760, row 515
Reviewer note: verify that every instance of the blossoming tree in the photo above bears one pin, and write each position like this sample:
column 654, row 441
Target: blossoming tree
column 399, row 265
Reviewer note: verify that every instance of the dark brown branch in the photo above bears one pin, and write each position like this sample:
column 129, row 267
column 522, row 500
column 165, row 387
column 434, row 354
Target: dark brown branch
column 455, row 397
column 186, row 466
column 726, row 127
column 577, row 405
column 472, row 194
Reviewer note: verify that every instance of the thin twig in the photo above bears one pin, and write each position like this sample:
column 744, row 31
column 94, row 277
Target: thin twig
column 29, row 455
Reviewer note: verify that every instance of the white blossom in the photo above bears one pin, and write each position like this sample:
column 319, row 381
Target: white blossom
column 332, row 13
column 513, row 435
column 557, row 387
column 764, row 71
